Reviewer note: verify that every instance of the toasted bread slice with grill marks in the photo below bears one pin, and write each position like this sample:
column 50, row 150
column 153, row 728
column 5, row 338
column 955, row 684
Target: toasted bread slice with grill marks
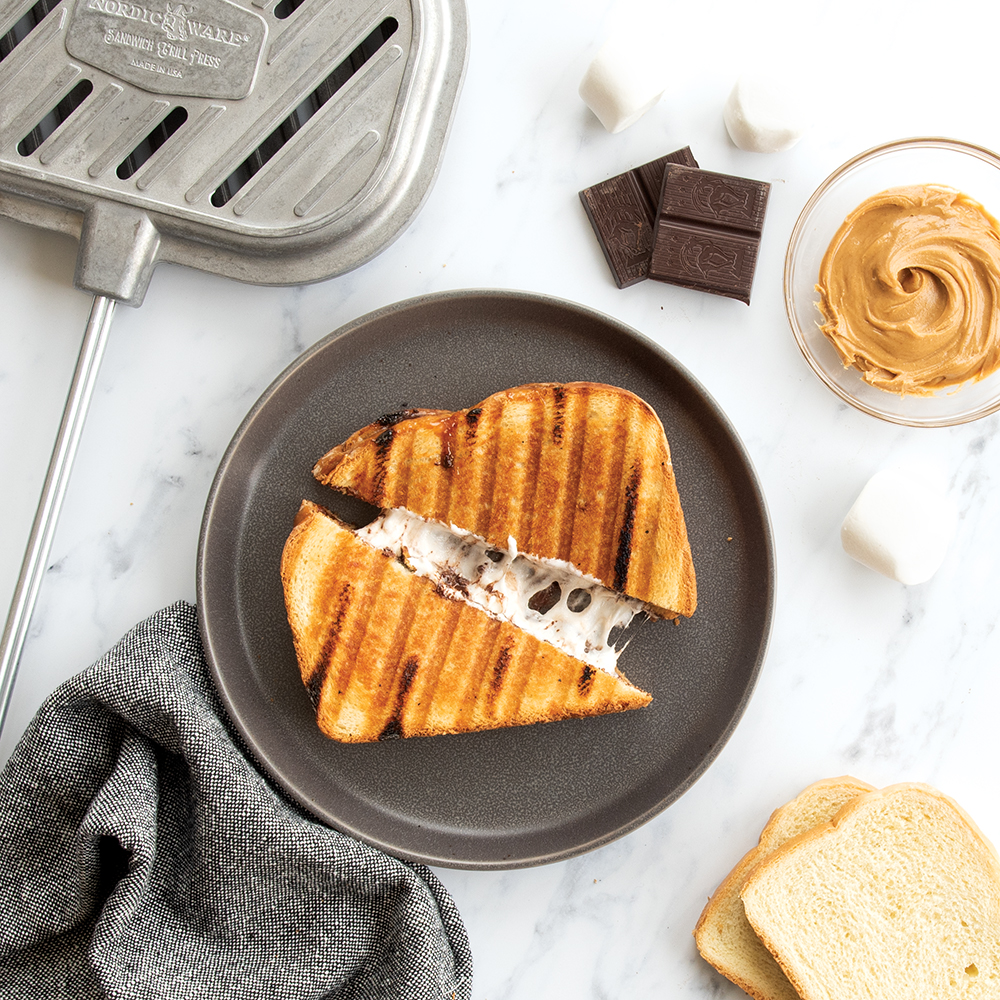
column 384, row 654
column 579, row 472
column 723, row 935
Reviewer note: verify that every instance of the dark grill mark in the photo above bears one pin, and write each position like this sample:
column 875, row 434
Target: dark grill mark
column 574, row 471
column 499, row 670
column 448, row 444
column 383, row 445
column 318, row 676
column 557, row 428
column 472, row 420
column 543, row 601
column 394, row 727
column 586, row 679
column 628, row 524
column 391, row 419
column 316, row 681
column 578, row 600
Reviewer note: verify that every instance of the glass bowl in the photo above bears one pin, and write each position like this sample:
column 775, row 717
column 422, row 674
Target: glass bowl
column 971, row 169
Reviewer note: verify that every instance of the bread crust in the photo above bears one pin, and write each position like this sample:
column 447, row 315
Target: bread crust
column 579, row 472
column 384, row 654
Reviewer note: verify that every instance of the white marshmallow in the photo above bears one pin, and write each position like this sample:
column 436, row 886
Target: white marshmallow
column 623, row 82
column 763, row 116
column 901, row 525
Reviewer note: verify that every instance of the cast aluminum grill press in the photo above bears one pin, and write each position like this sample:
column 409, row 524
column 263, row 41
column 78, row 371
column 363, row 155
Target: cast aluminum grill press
column 272, row 142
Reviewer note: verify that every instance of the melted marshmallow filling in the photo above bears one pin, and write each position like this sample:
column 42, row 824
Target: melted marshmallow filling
column 548, row 598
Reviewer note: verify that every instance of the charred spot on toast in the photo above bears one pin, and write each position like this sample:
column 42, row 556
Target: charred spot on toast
column 393, row 729
column 499, row 670
column 383, row 444
column 586, row 681
column 624, row 554
column 314, row 687
column 391, row 419
column 559, row 393
column 472, row 421
column 448, row 444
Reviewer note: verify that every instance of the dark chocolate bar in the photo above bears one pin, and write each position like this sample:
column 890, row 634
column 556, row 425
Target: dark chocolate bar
column 707, row 231
column 622, row 211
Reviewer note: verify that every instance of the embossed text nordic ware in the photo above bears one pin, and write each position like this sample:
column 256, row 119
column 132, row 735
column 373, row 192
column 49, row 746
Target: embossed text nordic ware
column 272, row 141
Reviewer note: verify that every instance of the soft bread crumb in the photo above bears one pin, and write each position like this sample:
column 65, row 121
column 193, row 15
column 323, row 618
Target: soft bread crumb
column 897, row 898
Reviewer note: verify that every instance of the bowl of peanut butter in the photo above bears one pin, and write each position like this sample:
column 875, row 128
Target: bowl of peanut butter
column 892, row 282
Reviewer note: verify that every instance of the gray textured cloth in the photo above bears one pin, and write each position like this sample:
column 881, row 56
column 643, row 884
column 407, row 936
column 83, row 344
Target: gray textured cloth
column 143, row 855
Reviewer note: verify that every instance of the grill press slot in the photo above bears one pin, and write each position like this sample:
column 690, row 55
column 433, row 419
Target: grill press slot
column 273, row 143
column 286, row 8
column 83, row 120
column 60, row 113
column 156, row 138
column 25, row 25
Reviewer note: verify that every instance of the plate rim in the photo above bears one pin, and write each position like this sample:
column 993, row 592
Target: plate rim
column 272, row 772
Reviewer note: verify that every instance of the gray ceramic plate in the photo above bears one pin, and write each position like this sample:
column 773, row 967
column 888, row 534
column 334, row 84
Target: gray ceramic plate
column 514, row 797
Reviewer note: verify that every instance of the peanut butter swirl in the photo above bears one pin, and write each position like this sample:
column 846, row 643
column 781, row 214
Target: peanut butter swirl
column 910, row 290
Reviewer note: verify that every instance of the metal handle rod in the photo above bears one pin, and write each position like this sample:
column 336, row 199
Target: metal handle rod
column 53, row 491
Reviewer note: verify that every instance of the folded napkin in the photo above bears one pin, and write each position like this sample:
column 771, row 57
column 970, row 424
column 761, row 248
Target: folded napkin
column 143, row 855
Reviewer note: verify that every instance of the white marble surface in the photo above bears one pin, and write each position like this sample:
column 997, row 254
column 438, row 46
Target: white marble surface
column 863, row 675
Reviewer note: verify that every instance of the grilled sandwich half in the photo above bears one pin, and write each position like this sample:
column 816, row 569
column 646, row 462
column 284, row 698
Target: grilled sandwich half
column 579, row 472
column 518, row 539
column 386, row 653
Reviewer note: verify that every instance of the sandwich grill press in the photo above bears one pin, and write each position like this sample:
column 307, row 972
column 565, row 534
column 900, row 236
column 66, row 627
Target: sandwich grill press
column 273, row 141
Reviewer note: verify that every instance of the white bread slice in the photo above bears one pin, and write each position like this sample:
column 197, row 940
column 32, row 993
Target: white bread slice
column 724, row 937
column 898, row 898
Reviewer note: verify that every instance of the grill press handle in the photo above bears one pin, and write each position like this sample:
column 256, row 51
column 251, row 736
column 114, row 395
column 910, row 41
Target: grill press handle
column 118, row 250
column 53, row 491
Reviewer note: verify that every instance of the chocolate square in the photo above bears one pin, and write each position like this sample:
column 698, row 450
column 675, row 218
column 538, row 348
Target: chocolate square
column 622, row 211
column 707, row 231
